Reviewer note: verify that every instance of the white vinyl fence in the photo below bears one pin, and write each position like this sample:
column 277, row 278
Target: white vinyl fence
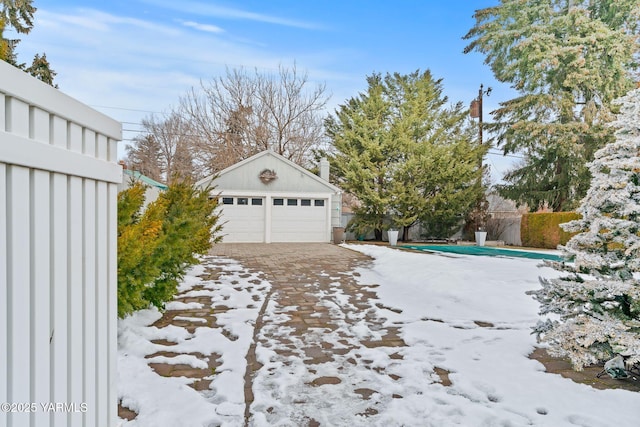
column 58, row 296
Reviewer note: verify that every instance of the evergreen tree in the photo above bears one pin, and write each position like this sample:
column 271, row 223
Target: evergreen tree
column 365, row 154
column 18, row 14
column 598, row 302
column 405, row 155
column 4, row 43
column 435, row 175
column 157, row 245
column 188, row 229
column 139, row 235
column 568, row 59
column 41, row 70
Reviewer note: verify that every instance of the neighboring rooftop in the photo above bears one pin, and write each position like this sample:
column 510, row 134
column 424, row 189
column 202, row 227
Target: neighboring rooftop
column 143, row 178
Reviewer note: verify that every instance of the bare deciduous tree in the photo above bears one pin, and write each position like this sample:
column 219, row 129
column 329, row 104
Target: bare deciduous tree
column 144, row 157
column 165, row 151
column 504, row 215
column 241, row 114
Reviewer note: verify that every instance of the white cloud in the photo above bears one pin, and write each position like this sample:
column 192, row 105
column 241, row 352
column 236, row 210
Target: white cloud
column 203, row 27
column 207, row 9
column 96, row 20
column 102, row 55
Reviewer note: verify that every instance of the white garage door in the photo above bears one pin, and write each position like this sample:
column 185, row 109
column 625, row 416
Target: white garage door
column 298, row 220
column 292, row 219
column 243, row 219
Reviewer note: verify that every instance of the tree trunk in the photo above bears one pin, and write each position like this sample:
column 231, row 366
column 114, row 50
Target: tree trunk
column 378, row 234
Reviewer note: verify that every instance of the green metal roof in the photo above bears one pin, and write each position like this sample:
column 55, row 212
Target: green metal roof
column 139, row 177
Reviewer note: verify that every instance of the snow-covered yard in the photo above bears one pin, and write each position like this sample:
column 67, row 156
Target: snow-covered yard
column 466, row 315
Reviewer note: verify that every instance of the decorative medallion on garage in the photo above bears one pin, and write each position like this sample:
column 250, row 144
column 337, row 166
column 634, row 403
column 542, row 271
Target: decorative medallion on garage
column 268, row 175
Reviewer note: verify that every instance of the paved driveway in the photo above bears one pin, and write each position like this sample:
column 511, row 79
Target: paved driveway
column 314, row 312
column 305, row 276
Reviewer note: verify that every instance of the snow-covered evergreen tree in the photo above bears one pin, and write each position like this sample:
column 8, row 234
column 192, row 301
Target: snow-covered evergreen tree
column 596, row 307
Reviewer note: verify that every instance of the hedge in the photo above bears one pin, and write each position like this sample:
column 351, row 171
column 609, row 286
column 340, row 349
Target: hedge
column 157, row 245
column 542, row 230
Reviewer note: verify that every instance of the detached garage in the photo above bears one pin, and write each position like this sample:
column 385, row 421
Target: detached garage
column 267, row 198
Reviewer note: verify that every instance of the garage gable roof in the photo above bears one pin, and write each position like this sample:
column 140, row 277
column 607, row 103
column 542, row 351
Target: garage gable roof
column 244, row 175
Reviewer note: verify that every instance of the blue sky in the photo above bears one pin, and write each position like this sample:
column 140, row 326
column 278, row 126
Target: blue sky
column 129, row 58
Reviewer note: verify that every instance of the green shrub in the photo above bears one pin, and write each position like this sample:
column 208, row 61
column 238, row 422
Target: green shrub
column 542, row 230
column 155, row 247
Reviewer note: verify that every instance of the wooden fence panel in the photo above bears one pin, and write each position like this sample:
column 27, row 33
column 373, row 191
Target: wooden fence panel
column 58, row 202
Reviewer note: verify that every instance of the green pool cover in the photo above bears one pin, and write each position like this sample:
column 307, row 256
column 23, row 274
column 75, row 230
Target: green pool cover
column 484, row 251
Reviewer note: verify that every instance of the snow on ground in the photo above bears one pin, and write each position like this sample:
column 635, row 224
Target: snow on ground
column 170, row 402
column 494, row 383
column 434, row 300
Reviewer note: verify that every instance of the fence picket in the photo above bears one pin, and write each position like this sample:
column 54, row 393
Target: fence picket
column 40, row 289
column 4, row 306
column 59, row 329
column 75, row 350
column 102, row 246
column 112, row 301
column 19, row 295
column 89, row 298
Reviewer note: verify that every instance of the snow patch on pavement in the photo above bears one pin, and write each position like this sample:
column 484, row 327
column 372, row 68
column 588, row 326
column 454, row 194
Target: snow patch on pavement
column 169, row 401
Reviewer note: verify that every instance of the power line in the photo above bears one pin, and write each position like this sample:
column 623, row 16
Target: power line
column 500, row 153
column 127, row 109
column 194, row 135
column 492, row 152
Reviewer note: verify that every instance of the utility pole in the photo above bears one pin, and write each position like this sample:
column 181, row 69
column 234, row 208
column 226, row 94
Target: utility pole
column 479, row 213
column 476, row 109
